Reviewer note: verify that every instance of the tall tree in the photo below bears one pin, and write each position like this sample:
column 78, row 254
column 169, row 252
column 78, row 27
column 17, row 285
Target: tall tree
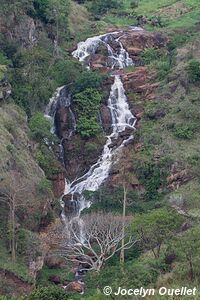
column 12, row 193
column 156, row 228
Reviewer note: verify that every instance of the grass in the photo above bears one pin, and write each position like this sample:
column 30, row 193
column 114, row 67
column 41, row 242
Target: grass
column 18, row 268
column 46, row 272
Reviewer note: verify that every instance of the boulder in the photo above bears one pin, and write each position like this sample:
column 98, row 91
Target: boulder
column 55, row 279
column 75, row 286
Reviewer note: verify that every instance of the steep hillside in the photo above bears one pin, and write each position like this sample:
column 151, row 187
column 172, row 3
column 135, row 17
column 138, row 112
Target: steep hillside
column 153, row 184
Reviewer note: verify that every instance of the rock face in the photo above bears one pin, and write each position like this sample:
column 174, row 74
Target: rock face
column 106, row 118
column 35, row 266
column 5, row 90
column 178, row 178
column 136, row 41
column 26, row 32
column 138, row 82
column 58, row 184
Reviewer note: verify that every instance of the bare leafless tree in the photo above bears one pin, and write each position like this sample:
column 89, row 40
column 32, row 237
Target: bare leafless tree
column 95, row 238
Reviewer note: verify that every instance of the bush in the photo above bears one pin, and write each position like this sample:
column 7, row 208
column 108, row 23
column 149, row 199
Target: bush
column 87, row 127
column 47, row 161
column 194, row 70
column 183, row 131
column 48, row 293
column 40, row 127
column 103, row 6
column 87, row 105
column 149, row 55
column 28, row 244
column 45, row 186
column 86, row 80
column 134, row 4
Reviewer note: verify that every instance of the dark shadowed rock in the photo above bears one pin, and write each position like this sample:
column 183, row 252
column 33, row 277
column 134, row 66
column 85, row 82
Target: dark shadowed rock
column 106, row 118
column 55, row 279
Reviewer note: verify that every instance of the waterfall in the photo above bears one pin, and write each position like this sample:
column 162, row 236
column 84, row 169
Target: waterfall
column 61, row 98
column 122, row 118
column 120, row 57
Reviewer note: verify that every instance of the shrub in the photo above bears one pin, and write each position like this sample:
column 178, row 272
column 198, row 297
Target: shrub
column 149, row 55
column 183, row 131
column 134, row 4
column 194, row 70
column 103, row 6
column 87, row 127
column 87, row 104
column 28, row 244
column 91, row 148
column 39, row 126
column 48, row 293
column 47, row 161
column 45, row 186
column 86, row 80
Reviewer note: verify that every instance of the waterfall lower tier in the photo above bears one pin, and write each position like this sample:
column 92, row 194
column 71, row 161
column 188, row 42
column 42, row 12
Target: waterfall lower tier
column 122, row 118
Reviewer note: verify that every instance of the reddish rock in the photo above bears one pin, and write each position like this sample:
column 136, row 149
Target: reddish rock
column 58, row 184
column 143, row 39
column 133, row 51
column 75, row 286
column 179, row 178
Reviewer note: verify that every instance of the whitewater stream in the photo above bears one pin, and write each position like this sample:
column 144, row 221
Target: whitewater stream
column 122, row 118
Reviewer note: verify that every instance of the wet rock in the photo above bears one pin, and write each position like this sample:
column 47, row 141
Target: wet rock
column 55, row 279
column 71, row 203
column 106, row 119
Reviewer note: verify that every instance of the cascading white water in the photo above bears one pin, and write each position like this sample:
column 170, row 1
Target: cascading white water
column 120, row 58
column 122, row 117
column 60, row 98
column 51, row 108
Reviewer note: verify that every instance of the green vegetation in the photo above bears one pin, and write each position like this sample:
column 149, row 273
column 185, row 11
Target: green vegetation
column 46, row 293
column 163, row 163
column 194, row 70
column 87, row 105
column 39, row 126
